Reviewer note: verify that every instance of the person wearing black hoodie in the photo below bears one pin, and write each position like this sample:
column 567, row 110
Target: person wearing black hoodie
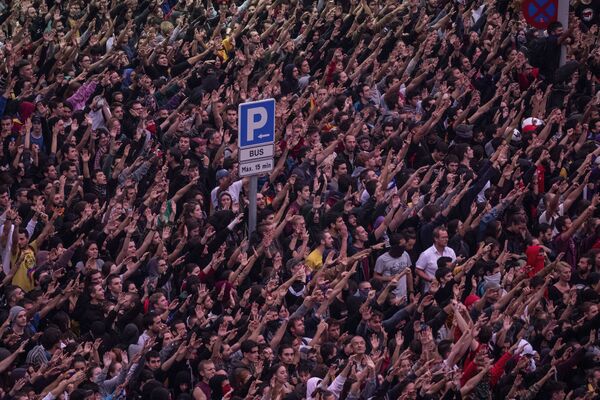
column 289, row 85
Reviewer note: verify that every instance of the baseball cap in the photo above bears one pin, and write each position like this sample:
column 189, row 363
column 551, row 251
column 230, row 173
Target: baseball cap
column 222, row 173
column 530, row 124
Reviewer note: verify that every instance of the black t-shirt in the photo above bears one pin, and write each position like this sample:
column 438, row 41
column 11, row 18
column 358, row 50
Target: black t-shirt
column 576, row 279
column 444, row 294
column 552, row 56
column 556, row 296
column 338, row 309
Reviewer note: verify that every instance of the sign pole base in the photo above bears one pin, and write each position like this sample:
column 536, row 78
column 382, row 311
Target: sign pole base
column 252, row 206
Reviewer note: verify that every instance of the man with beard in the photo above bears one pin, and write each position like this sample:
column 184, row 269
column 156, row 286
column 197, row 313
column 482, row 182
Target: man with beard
column 393, row 262
column 23, row 255
column 583, row 274
column 552, row 47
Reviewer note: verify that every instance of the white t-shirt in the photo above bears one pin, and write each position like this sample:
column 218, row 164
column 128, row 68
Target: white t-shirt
column 97, row 119
column 234, row 190
column 427, row 261
column 550, row 220
column 386, row 265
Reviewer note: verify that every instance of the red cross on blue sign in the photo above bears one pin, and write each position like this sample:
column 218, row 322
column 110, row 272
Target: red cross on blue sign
column 539, row 13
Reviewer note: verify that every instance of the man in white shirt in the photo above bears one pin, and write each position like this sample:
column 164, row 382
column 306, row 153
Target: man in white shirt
column 427, row 262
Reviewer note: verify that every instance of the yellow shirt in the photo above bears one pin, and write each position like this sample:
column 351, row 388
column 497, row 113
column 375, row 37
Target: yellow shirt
column 314, row 261
column 24, row 275
column 227, row 47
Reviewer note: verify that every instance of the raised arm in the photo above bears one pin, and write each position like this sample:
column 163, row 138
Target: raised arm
column 581, row 219
column 278, row 336
column 573, row 196
column 474, row 381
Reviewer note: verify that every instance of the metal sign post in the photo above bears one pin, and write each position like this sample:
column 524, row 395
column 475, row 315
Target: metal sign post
column 563, row 18
column 256, row 122
column 252, row 205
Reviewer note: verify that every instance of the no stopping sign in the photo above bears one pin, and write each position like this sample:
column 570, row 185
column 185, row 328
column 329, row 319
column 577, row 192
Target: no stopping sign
column 539, row 13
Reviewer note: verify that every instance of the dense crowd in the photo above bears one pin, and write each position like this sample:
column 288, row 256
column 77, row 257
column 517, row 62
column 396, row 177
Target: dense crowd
column 430, row 229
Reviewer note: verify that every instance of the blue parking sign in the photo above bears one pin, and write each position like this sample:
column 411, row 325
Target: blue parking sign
column 256, row 122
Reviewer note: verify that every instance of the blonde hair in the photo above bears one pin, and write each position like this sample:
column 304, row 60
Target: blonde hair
column 166, row 27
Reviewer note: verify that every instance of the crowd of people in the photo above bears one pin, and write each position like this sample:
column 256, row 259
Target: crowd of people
column 430, row 229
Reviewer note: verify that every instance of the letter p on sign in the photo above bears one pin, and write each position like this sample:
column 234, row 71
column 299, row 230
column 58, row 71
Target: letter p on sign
column 256, row 123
